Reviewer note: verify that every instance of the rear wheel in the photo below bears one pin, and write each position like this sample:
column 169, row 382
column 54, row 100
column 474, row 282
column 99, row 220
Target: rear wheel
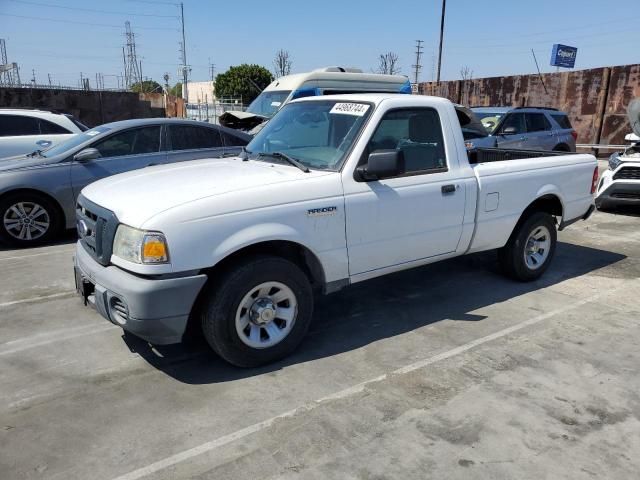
column 28, row 219
column 257, row 312
column 529, row 251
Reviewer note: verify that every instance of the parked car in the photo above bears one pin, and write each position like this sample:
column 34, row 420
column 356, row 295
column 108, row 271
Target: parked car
column 620, row 184
column 323, row 81
column 26, row 130
column 529, row 128
column 473, row 132
column 332, row 191
column 38, row 191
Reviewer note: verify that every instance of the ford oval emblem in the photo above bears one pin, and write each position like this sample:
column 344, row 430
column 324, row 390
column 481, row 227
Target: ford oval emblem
column 83, row 229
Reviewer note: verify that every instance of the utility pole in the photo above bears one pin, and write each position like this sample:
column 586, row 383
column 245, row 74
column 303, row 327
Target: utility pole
column 33, row 79
column 417, row 67
column 444, row 6
column 212, row 69
column 185, row 71
column 49, row 76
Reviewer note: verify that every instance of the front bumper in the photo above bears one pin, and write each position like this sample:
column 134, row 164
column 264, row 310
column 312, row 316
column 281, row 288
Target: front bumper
column 617, row 192
column 156, row 310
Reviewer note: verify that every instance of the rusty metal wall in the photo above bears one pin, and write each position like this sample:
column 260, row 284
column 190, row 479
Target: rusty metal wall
column 94, row 107
column 596, row 100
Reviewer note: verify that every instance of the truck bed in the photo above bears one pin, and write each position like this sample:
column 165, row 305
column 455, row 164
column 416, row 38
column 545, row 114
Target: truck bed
column 485, row 155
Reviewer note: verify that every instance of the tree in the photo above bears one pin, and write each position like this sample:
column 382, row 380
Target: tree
column 176, row 90
column 282, row 63
column 466, row 73
column 388, row 63
column 146, row 86
column 245, row 81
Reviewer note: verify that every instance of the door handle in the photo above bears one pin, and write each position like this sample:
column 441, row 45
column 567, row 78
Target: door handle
column 448, row 189
column 43, row 143
column 524, row 138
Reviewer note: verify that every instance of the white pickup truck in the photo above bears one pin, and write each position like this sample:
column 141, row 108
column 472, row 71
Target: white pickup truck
column 333, row 191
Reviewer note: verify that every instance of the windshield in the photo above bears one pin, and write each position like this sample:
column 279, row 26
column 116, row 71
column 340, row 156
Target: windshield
column 489, row 120
column 315, row 133
column 268, row 103
column 74, row 141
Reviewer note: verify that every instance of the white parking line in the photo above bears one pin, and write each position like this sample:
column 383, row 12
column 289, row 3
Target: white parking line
column 20, row 257
column 37, row 299
column 257, row 427
column 22, row 344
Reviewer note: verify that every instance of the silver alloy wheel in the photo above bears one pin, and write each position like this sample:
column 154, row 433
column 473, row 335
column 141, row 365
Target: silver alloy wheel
column 537, row 247
column 266, row 315
column 26, row 220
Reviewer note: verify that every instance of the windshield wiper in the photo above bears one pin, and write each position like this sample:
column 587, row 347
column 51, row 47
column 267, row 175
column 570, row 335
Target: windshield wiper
column 286, row 158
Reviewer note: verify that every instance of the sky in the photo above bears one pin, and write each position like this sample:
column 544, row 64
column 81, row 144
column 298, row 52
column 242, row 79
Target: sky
column 64, row 38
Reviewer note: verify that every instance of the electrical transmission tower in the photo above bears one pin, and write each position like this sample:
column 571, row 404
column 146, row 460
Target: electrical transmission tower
column 132, row 68
column 9, row 73
column 417, row 67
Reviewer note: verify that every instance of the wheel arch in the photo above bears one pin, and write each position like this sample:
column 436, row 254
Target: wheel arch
column 562, row 147
column 34, row 191
column 548, row 201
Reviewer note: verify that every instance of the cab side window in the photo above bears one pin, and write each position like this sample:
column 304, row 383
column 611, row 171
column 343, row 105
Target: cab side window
column 417, row 135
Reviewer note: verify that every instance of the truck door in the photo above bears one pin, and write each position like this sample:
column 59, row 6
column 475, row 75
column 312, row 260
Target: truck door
column 415, row 215
column 513, row 132
column 121, row 152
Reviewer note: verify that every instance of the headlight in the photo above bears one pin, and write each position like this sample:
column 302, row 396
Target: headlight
column 140, row 246
column 614, row 161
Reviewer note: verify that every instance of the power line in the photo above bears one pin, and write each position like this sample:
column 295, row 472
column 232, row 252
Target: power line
column 82, row 23
column 107, row 12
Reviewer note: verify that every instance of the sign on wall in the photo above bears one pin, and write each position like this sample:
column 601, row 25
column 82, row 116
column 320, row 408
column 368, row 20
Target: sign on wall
column 563, row 56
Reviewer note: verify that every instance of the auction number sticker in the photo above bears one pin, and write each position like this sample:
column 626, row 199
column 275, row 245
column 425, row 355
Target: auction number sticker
column 357, row 109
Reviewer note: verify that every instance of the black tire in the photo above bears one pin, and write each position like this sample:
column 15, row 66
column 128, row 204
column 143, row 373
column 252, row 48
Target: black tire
column 224, row 295
column 51, row 214
column 561, row 148
column 512, row 255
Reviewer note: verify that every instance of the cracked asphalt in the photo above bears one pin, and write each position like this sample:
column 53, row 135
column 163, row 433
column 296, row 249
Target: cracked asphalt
column 447, row 371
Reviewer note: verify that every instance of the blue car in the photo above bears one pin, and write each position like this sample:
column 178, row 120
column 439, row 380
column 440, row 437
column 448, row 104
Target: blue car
column 38, row 191
column 528, row 128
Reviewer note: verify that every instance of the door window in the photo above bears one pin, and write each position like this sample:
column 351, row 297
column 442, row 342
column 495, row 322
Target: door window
column 416, row 134
column 515, row 120
column 18, row 125
column 50, row 128
column 131, row 142
column 562, row 120
column 187, row 137
column 537, row 122
column 232, row 141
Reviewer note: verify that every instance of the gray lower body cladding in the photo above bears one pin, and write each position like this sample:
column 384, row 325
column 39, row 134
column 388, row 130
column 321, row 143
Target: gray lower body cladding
column 156, row 310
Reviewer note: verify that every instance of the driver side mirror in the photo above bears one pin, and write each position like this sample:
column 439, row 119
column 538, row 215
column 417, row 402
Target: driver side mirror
column 86, row 155
column 509, row 131
column 382, row 164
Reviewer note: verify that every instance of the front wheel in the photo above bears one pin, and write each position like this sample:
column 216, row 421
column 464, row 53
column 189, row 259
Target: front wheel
column 529, row 251
column 28, row 219
column 257, row 312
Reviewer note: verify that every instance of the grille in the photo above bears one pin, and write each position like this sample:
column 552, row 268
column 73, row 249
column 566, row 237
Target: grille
column 96, row 229
column 627, row 173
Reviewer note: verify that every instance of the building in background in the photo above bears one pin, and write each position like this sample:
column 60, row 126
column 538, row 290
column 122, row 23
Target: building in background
column 200, row 92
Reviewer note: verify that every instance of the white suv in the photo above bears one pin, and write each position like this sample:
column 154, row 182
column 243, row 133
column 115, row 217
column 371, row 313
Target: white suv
column 24, row 131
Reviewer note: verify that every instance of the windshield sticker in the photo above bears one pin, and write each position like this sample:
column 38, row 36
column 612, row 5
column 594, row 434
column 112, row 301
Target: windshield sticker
column 357, row 109
column 92, row 133
column 276, row 104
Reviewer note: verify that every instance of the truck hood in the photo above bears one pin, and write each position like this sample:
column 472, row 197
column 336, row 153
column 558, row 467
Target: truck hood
column 137, row 196
column 633, row 113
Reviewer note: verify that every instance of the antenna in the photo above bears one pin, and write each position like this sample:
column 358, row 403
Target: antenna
column 417, row 67
column 132, row 68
